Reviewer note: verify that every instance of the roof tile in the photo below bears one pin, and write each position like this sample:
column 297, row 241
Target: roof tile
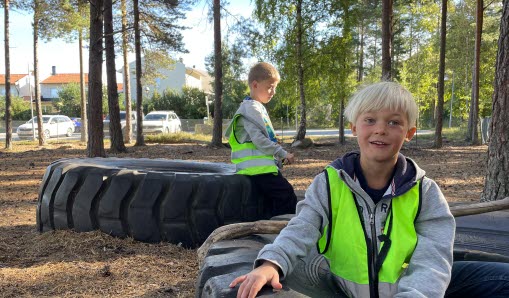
column 64, row 78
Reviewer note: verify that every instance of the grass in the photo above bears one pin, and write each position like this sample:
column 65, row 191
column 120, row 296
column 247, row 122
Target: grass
column 455, row 134
column 174, row 138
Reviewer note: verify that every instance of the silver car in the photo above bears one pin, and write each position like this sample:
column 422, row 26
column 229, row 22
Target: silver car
column 161, row 122
column 53, row 126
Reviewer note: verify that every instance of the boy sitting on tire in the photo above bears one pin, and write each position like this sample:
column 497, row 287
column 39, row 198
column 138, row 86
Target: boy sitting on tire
column 255, row 150
column 372, row 224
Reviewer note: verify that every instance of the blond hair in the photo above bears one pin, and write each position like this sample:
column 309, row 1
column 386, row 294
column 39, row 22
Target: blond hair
column 263, row 71
column 382, row 95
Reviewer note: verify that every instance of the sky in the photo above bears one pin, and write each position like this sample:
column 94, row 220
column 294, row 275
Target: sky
column 199, row 41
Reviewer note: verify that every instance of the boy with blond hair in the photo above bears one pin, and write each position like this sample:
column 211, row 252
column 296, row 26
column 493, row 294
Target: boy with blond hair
column 255, row 150
column 372, row 224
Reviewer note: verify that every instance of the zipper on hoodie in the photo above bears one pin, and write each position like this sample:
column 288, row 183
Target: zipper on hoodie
column 370, row 244
column 373, row 275
column 371, row 247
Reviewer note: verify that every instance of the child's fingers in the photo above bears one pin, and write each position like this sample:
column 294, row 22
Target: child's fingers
column 275, row 282
column 256, row 286
column 237, row 280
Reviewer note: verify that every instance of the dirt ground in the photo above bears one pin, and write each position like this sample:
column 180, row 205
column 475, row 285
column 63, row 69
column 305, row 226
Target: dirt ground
column 69, row 264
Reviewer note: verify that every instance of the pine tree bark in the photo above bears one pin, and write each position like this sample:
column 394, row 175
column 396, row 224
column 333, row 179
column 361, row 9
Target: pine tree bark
column 301, row 133
column 116, row 138
column 386, row 40
column 472, row 132
column 83, row 101
column 360, row 69
column 496, row 184
column 95, row 145
column 37, row 86
column 441, row 74
column 127, row 76
column 217, row 131
column 8, row 116
column 140, row 141
column 342, row 122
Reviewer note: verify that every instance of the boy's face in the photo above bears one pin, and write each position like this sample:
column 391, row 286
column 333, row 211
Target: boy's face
column 381, row 134
column 263, row 91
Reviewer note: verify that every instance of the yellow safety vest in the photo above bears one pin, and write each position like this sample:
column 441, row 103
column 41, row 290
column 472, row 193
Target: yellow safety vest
column 247, row 158
column 346, row 246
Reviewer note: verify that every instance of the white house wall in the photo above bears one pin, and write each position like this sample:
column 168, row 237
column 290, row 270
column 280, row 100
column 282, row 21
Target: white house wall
column 173, row 79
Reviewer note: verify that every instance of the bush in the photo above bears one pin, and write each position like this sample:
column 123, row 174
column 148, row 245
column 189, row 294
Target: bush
column 20, row 109
column 189, row 104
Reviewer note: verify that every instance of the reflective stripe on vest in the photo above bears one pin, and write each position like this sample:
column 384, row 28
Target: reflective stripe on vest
column 247, row 158
column 345, row 244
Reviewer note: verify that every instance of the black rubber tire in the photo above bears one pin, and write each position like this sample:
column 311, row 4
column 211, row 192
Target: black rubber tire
column 229, row 259
column 483, row 237
column 151, row 200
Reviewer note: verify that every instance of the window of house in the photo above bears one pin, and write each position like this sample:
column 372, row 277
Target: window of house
column 54, row 93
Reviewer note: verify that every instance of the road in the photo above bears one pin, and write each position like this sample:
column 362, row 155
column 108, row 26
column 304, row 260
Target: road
column 332, row 132
column 284, row 133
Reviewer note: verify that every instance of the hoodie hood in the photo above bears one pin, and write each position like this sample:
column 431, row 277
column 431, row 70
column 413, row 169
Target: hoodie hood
column 407, row 172
column 246, row 110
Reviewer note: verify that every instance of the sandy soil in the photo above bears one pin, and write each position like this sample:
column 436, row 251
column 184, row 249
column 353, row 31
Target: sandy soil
column 68, row 264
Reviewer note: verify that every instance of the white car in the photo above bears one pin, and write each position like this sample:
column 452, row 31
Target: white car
column 53, row 126
column 106, row 123
column 161, row 122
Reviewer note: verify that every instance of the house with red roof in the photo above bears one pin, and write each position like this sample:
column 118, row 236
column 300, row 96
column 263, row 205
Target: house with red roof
column 56, row 81
column 21, row 85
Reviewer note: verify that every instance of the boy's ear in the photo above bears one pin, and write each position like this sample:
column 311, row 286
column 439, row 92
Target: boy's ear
column 410, row 134
column 354, row 129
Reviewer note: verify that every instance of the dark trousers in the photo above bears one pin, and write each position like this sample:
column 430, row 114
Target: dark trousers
column 479, row 279
column 278, row 195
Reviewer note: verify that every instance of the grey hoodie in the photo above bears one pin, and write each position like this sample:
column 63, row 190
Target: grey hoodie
column 429, row 271
column 252, row 128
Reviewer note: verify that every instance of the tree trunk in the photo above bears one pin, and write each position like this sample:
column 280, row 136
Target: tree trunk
column 37, row 87
column 342, row 122
column 386, row 39
column 301, row 133
column 127, row 76
column 496, row 184
column 117, row 141
column 360, row 70
column 8, row 116
column 95, row 145
column 218, row 80
column 140, row 141
column 473, row 135
column 441, row 73
column 84, row 121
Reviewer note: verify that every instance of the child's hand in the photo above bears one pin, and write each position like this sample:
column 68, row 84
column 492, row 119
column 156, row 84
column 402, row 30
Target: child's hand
column 252, row 282
column 289, row 159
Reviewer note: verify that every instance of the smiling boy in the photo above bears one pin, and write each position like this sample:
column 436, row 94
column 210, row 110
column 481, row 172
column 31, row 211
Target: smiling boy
column 372, row 224
column 255, row 150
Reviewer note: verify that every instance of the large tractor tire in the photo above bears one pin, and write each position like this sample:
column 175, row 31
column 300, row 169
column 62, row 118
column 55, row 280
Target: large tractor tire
column 151, row 200
column 483, row 237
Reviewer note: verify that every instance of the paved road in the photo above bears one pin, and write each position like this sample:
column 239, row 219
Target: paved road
column 284, row 133
column 332, row 132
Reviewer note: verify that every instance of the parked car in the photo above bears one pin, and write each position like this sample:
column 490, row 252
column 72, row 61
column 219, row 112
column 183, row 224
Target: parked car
column 161, row 122
column 106, row 123
column 77, row 124
column 53, row 126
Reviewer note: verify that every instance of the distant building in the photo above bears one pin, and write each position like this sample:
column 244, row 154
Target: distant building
column 175, row 79
column 21, row 85
column 56, row 81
